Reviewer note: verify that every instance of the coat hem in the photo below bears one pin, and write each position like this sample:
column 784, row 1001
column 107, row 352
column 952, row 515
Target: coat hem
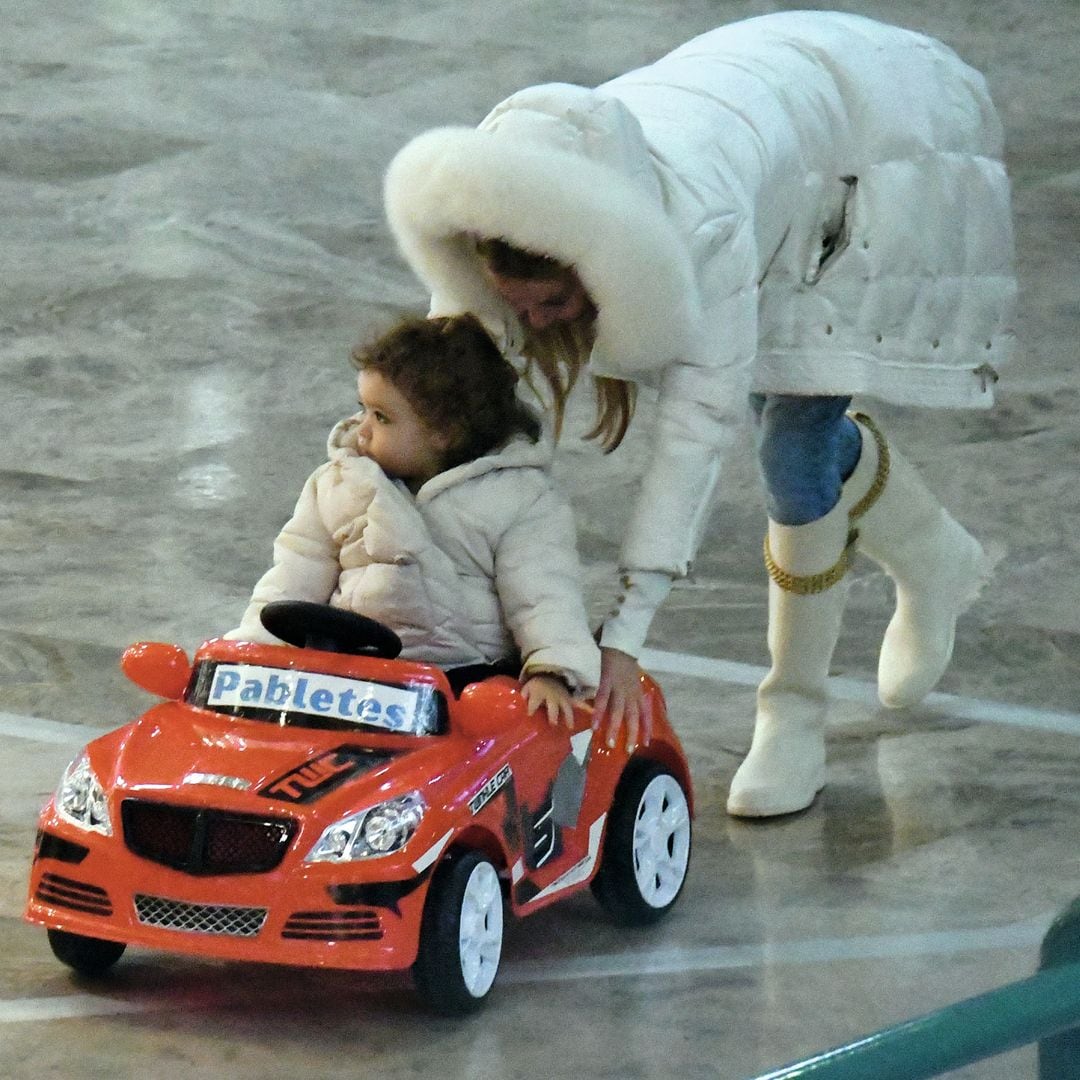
column 855, row 374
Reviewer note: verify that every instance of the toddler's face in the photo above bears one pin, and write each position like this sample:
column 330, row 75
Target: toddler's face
column 393, row 435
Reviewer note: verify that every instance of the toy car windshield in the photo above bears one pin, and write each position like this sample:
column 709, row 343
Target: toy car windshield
column 290, row 697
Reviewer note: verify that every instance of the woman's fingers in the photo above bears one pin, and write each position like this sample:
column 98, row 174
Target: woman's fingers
column 621, row 702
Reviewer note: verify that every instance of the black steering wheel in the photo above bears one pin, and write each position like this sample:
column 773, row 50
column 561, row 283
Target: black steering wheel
column 320, row 626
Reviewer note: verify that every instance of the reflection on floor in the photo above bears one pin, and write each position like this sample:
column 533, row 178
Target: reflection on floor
column 192, row 238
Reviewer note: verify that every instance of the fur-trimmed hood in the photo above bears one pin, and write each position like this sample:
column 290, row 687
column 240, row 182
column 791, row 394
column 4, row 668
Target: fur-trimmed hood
column 565, row 171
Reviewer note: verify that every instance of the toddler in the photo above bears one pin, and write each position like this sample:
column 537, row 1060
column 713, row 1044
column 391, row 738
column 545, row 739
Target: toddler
column 436, row 515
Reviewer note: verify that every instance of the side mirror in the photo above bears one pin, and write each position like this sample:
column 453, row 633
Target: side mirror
column 487, row 708
column 159, row 668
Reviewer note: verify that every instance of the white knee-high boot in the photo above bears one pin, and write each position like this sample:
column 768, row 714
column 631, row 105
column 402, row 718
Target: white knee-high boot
column 785, row 768
column 937, row 566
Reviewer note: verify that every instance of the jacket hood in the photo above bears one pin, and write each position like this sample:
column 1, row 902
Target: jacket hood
column 565, row 172
column 519, row 453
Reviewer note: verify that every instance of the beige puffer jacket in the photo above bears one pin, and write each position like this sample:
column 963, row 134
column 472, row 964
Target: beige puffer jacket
column 480, row 563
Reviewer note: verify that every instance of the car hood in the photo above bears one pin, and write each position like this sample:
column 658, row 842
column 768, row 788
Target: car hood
column 174, row 752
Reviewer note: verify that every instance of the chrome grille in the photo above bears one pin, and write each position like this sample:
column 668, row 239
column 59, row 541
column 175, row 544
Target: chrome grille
column 199, row 918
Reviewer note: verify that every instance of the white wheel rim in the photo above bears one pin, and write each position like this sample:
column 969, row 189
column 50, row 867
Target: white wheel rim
column 481, row 933
column 661, row 841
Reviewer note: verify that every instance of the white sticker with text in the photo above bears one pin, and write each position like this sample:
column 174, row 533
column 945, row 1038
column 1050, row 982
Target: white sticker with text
column 247, row 686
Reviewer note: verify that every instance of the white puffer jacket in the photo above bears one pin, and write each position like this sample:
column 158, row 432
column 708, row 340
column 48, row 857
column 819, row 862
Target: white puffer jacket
column 480, row 563
column 805, row 202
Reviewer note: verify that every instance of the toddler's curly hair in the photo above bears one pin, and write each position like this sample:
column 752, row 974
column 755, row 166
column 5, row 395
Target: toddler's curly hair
column 456, row 379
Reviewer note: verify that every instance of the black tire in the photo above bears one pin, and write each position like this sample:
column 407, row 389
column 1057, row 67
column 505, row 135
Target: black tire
column 647, row 846
column 86, row 955
column 460, row 935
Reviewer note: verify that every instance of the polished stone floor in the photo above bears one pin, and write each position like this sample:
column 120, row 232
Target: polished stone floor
column 190, row 240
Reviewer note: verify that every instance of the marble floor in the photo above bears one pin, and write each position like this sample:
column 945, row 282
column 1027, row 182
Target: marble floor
column 190, row 240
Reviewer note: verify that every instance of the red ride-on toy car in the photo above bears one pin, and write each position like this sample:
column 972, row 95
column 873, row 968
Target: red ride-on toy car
column 323, row 804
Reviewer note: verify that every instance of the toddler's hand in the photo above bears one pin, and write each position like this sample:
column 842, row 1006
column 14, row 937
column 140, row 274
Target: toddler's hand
column 551, row 693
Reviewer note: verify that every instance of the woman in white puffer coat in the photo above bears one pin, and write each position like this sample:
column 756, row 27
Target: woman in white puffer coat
column 436, row 515
column 798, row 207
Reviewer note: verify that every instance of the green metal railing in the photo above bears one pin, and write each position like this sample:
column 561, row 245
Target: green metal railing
column 1059, row 1054
column 1044, row 1008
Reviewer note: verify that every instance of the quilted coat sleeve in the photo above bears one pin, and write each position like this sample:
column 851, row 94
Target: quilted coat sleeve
column 538, row 579
column 701, row 403
column 305, row 565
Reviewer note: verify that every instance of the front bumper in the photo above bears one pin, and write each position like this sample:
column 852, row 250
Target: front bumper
column 319, row 915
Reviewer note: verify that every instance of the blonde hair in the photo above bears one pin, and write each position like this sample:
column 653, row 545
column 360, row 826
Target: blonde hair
column 561, row 351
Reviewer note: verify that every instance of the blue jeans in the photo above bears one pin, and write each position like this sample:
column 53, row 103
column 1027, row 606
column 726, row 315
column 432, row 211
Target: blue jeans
column 807, row 447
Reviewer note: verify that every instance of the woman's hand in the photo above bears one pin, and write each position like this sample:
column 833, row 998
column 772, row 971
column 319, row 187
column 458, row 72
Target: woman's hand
column 621, row 701
column 551, row 693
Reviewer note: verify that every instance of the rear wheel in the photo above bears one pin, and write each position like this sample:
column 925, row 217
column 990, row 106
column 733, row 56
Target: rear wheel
column 461, row 935
column 647, row 847
column 86, row 955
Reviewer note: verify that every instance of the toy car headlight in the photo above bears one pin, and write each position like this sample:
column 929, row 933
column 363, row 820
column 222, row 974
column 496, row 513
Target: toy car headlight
column 382, row 830
column 80, row 798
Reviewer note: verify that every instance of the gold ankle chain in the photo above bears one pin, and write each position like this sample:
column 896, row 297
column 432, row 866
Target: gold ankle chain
column 873, row 493
column 808, row 584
